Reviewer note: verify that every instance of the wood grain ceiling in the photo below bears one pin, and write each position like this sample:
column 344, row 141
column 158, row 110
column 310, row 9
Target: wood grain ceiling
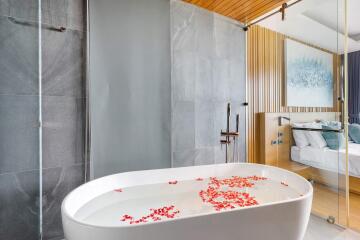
column 241, row 10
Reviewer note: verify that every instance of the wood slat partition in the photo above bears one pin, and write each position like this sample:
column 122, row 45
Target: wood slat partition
column 240, row 10
column 265, row 83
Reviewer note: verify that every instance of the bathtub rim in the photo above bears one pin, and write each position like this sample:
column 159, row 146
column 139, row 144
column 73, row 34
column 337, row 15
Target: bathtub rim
column 300, row 198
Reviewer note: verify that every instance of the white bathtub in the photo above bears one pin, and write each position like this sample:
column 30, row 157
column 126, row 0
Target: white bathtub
column 283, row 220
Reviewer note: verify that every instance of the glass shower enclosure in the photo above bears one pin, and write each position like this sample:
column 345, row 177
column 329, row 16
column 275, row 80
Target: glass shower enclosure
column 42, row 114
column 307, row 135
column 20, row 117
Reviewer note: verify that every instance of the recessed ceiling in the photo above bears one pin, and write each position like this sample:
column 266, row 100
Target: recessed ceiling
column 241, row 10
column 325, row 15
column 321, row 23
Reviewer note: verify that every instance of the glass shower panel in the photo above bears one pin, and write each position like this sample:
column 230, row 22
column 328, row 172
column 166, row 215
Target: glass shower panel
column 314, row 98
column 306, row 134
column 19, row 121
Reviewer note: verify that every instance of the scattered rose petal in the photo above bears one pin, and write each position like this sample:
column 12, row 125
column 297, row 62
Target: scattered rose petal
column 229, row 199
column 155, row 215
column 118, row 190
column 173, row 182
column 285, row 184
column 199, row 179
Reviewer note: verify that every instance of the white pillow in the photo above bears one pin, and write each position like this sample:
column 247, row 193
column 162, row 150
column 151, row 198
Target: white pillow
column 316, row 139
column 300, row 138
column 313, row 125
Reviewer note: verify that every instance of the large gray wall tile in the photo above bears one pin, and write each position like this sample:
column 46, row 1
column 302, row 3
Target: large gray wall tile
column 63, row 114
column 204, row 82
column 237, row 78
column 67, row 13
column 4, row 8
column 219, row 154
column 204, row 124
column 63, row 63
column 184, row 73
column 227, row 36
column 19, row 58
column 19, row 206
column 183, row 30
column 220, row 117
column 204, row 25
column 184, row 158
column 205, row 156
column 54, row 12
column 221, row 79
column 57, row 183
column 183, row 128
column 19, row 133
column 76, row 14
column 26, row 10
column 63, row 131
column 208, row 71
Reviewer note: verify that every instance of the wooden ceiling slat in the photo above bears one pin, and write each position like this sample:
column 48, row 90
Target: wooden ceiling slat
column 244, row 8
column 225, row 5
column 241, row 10
column 259, row 12
column 214, row 4
column 209, row 4
column 218, row 4
column 245, row 12
column 237, row 5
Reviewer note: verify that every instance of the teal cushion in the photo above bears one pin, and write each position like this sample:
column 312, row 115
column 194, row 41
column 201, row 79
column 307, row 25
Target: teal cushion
column 334, row 140
column 354, row 132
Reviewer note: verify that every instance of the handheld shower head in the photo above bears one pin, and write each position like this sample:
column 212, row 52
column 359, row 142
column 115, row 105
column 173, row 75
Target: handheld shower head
column 228, row 110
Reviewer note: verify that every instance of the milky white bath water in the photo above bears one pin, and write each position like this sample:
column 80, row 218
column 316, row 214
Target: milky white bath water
column 108, row 209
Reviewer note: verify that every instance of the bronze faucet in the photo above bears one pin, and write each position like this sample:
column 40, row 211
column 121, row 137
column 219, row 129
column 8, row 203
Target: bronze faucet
column 228, row 134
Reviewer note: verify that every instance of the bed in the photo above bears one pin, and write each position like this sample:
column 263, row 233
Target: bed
column 327, row 159
column 277, row 147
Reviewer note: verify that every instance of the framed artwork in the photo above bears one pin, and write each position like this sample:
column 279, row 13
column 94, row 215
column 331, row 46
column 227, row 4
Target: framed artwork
column 309, row 76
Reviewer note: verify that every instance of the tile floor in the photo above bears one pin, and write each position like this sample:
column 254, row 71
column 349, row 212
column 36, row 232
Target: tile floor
column 319, row 229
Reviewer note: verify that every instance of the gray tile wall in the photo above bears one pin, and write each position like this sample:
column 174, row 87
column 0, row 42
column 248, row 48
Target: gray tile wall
column 208, row 71
column 19, row 132
column 63, row 107
column 63, row 110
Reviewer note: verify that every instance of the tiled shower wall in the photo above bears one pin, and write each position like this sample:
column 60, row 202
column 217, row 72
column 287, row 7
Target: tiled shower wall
column 208, row 71
column 63, row 110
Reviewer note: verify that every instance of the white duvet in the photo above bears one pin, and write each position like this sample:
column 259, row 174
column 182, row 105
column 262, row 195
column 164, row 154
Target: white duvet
column 327, row 159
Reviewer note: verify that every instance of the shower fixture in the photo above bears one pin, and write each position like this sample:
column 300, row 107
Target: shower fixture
column 36, row 24
column 281, row 120
column 230, row 137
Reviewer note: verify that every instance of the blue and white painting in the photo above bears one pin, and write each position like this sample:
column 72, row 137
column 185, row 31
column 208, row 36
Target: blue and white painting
column 309, row 76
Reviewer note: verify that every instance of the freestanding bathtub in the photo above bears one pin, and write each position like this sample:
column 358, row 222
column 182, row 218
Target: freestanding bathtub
column 278, row 220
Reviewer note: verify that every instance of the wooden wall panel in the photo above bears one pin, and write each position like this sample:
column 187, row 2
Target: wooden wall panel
column 265, row 83
column 240, row 10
